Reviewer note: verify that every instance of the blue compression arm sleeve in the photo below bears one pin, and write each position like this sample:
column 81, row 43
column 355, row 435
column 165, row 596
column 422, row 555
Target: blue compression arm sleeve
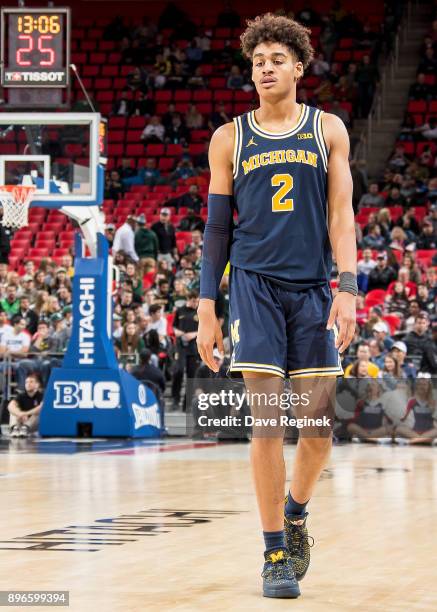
column 216, row 243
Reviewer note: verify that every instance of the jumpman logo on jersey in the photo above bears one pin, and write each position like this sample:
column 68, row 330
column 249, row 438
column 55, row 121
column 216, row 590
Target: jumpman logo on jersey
column 251, row 142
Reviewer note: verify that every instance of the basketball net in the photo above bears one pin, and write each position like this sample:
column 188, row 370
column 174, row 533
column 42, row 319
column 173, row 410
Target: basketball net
column 15, row 200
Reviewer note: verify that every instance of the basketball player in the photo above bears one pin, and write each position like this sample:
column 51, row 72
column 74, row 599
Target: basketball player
column 284, row 167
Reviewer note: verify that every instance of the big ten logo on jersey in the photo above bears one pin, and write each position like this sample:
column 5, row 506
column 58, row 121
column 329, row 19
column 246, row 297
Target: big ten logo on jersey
column 304, row 135
column 235, row 333
column 87, row 394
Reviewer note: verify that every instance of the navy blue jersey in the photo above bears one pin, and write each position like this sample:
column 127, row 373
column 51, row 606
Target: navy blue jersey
column 280, row 192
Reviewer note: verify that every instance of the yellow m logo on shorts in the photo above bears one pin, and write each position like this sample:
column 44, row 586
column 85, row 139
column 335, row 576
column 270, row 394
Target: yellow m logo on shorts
column 234, row 331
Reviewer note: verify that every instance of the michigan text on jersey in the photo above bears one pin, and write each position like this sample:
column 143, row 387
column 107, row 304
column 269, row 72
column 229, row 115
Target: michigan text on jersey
column 279, row 157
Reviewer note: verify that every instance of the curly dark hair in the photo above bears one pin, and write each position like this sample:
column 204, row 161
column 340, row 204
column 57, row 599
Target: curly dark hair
column 279, row 29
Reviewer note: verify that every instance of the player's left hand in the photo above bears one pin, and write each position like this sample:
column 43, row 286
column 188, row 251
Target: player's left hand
column 343, row 311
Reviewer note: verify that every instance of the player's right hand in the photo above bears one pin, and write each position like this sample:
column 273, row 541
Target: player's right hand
column 209, row 333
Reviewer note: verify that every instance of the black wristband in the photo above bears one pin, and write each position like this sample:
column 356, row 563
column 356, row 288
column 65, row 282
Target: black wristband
column 348, row 283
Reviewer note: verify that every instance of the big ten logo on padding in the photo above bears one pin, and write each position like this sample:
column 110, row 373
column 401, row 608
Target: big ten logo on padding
column 87, row 394
column 86, row 323
column 235, row 334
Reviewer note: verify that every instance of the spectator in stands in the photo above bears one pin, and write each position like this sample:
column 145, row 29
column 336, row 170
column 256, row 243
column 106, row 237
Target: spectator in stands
column 374, row 238
column 390, row 371
column 25, row 408
column 185, row 327
column 124, row 239
column 176, row 132
column 5, row 327
column 194, row 55
column 429, row 129
column 420, row 90
column 41, row 346
column 144, row 105
column 341, row 112
column 178, row 77
column 328, row 37
column 145, row 371
column 178, row 296
column 10, row 304
column 428, row 65
column 235, row 79
column 157, row 325
column 28, row 314
column 377, row 352
column 427, row 238
column 408, row 128
column 382, row 274
column 192, row 199
column 146, row 245
column 201, row 161
column 397, row 302
column 133, row 275
column 408, row 222
column 15, row 345
column 196, row 80
column 183, row 170
column 380, row 331
column 130, row 342
column 363, row 355
column 398, row 161
column 319, row 66
column 153, row 132
column 150, row 175
column 373, row 197
column 109, row 233
column 308, row 16
column 127, row 169
column 165, row 232
column 162, row 295
column 420, row 345
column 136, row 80
column 399, row 351
column 193, row 119
column 424, row 299
column 113, row 186
column 218, row 117
column 124, row 106
column 358, row 369
column 395, row 198
column 419, row 424
column 398, row 239
column 191, row 221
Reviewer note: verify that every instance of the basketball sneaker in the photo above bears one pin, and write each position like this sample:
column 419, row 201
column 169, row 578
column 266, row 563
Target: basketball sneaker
column 24, row 431
column 278, row 575
column 14, row 431
column 298, row 542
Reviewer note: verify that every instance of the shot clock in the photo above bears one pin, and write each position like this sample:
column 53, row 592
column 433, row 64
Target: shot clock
column 35, row 47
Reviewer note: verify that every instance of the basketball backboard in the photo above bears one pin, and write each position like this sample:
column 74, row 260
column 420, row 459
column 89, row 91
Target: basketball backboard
column 59, row 153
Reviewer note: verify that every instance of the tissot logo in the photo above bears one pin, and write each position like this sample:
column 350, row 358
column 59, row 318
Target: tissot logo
column 28, row 77
column 86, row 394
column 146, row 415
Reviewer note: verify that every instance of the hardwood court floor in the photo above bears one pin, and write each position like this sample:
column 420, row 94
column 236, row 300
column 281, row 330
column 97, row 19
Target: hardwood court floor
column 374, row 519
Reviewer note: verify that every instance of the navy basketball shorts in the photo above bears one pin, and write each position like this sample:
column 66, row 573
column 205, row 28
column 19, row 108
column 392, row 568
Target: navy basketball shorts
column 278, row 331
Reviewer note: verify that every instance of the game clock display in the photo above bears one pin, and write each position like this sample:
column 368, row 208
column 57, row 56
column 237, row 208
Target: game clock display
column 35, row 47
